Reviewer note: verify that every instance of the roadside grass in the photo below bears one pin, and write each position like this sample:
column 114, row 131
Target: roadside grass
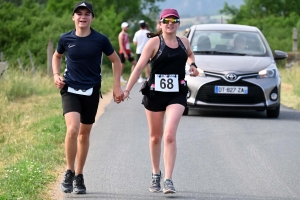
column 32, row 131
column 290, row 87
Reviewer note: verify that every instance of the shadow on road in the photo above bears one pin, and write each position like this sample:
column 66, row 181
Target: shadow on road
column 182, row 195
column 285, row 114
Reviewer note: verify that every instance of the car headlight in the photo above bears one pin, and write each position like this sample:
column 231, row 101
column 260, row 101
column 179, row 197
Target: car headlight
column 269, row 72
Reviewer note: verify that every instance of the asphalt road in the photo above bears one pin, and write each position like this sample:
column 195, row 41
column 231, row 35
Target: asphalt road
column 221, row 155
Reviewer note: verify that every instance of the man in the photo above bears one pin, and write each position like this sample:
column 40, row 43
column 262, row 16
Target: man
column 140, row 39
column 80, row 89
column 240, row 42
column 124, row 51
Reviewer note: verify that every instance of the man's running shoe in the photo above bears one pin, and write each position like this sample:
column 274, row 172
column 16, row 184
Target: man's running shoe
column 78, row 185
column 168, row 187
column 155, row 183
column 66, row 186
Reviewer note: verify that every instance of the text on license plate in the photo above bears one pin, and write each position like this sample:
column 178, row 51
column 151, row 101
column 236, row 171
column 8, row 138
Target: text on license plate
column 231, row 90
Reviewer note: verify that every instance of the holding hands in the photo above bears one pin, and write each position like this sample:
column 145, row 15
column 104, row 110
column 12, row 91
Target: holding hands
column 118, row 95
column 119, row 98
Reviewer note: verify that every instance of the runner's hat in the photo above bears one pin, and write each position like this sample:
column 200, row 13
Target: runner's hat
column 84, row 4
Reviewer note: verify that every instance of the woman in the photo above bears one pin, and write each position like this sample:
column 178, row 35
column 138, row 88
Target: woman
column 167, row 96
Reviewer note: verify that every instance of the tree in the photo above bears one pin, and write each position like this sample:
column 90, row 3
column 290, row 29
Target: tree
column 258, row 9
column 30, row 24
column 20, row 2
column 274, row 18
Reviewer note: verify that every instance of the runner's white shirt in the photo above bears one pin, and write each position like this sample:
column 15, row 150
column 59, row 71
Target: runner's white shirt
column 141, row 39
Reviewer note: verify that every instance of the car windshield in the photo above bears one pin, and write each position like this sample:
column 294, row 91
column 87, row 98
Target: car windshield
column 240, row 43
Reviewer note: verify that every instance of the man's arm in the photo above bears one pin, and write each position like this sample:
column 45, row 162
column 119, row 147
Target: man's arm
column 120, row 38
column 56, row 63
column 116, row 67
column 135, row 39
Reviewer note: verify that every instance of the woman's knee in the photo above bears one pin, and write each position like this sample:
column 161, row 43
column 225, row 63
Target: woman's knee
column 169, row 138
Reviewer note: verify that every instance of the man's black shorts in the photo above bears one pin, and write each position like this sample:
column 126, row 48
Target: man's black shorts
column 160, row 103
column 87, row 106
column 130, row 58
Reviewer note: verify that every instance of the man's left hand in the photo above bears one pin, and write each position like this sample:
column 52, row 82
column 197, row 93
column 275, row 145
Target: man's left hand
column 118, row 95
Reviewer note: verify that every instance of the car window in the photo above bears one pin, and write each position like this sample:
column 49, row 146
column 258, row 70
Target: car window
column 249, row 43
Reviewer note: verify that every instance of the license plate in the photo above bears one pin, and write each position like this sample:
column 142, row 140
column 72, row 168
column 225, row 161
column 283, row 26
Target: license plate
column 231, row 90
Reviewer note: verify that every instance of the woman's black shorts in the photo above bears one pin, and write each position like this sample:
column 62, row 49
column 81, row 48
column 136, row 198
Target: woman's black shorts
column 160, row 103
column 87, row 106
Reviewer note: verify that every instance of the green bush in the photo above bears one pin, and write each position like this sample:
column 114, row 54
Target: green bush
column 18, row 84
column 29, row 27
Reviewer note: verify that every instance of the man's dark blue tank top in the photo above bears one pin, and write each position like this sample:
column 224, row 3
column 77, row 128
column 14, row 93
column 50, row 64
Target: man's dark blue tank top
column 83, row 58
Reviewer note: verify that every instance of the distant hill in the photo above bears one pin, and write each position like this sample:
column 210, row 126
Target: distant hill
column 192, row 8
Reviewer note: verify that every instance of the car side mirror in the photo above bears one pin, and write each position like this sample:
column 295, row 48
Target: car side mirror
column 279, row 55
column 187, row 32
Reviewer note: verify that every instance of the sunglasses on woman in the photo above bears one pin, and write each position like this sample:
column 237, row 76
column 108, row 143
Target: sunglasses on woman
column 168, row 20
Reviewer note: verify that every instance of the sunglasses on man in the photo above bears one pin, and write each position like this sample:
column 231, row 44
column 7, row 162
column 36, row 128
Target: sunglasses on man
column 168, row 20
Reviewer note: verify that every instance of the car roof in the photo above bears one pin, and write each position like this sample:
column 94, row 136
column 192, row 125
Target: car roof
column 233, row 27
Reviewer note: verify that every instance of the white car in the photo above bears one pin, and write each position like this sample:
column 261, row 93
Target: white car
column 237, row 69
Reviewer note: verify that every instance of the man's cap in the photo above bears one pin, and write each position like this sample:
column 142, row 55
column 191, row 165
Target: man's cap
column 84, row 4
column 169, row 12
column 124, row 25
column 142, row 24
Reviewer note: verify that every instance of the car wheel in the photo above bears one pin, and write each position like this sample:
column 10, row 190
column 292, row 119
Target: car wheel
column 273, row 113
column 186, row 111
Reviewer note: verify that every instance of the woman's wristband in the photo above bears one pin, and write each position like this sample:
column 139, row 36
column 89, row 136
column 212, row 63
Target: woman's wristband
column 193, row 64
column 128, row 94
column 55, row 74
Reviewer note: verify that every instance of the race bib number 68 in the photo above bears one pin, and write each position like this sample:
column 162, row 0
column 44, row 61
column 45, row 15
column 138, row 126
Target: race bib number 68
column 166, row 82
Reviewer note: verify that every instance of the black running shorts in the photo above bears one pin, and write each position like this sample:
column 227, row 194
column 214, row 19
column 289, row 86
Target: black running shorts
column 122, row 58
column 160, row 103
column 87, row 106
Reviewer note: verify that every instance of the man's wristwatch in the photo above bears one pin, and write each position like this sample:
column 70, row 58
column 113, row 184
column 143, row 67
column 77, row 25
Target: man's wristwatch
column 193, row 64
